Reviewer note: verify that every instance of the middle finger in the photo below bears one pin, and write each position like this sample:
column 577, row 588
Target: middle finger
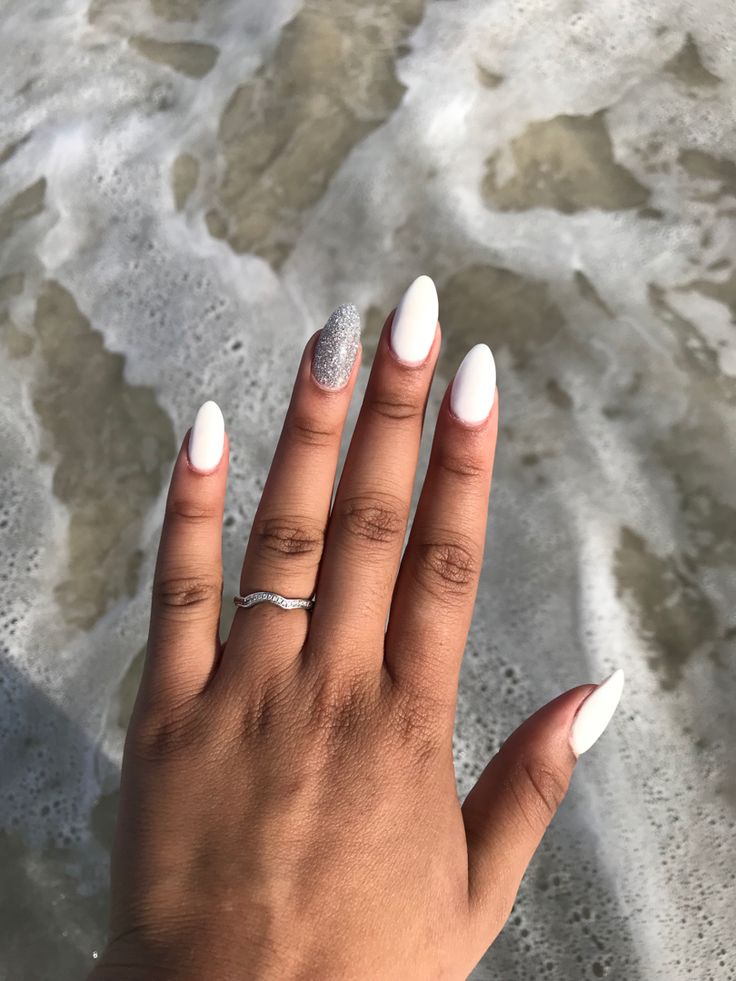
column 367, row 526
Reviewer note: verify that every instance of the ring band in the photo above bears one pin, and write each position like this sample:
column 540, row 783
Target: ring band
column 264, row 596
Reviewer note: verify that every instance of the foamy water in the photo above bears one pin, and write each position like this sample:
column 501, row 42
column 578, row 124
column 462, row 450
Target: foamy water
column 187, row 189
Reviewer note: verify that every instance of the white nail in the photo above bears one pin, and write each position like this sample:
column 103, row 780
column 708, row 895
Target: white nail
column 207, row 438
column 596, row 712
column 474, row 387
column 415, row 321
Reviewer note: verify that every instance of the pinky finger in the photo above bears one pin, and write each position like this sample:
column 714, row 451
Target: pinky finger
column 183, row 643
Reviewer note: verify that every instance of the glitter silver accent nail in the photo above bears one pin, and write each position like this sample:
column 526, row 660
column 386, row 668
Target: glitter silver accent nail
column 337, row 346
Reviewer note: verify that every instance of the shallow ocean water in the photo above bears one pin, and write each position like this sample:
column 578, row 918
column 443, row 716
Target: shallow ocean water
column 187, row 189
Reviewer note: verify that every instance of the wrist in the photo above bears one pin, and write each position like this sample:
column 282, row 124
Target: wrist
column 189, row 960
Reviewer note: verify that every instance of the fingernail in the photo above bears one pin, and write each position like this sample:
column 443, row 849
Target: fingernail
column 474, row 387
column 596, row 712
column 336, row 347
column 415, row 321
column 207, row 438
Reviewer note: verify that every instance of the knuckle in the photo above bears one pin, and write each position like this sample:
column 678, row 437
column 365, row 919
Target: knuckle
column 396, row 409
column 268, row 704
column 414, row 722
column 310, row 431
column 448, row 565
column 190, row 511
column 379, row 521
column 187, row 596
column 461, row 466
column 340, row 707
column 169, row 731
column 539, row 788
column 288, row 536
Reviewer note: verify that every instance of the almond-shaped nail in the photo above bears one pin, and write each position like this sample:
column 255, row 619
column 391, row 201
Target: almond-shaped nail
column 336, row 347
column 415, row 321
column 207, row 438
column 474, row 387
column 596, row 712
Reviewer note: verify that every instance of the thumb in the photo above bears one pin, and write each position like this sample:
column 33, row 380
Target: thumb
column 508, row 810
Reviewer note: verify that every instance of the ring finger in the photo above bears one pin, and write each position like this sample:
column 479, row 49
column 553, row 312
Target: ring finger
column 285, row 544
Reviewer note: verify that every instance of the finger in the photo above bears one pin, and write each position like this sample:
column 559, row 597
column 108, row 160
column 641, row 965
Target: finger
column 285, row 544
column 435, row 591
column 183, row 640
column 369, row 516
column 518, row 793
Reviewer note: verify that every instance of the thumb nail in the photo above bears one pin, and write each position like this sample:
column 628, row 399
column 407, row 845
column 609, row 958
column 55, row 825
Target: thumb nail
column 596, row 712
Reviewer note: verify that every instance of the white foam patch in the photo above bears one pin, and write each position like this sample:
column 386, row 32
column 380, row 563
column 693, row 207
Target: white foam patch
column 634, row 880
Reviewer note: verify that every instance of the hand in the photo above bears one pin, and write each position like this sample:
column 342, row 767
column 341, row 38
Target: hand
column 288, row 803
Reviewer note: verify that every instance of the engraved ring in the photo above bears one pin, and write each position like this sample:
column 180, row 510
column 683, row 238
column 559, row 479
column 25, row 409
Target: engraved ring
column 264, row 596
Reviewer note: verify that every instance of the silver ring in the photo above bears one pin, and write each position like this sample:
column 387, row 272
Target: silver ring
column 264, row 596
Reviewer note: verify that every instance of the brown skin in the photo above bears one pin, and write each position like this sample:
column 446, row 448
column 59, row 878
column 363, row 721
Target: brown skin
column 288, row 803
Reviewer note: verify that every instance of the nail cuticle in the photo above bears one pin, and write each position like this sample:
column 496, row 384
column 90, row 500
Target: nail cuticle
column 200, row 473
column 408, row 364
column 469, row 425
